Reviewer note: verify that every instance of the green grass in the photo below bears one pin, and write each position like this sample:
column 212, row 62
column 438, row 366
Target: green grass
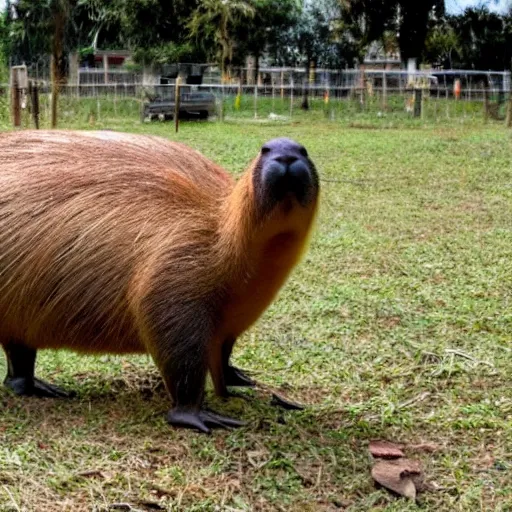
column 397, row 325
column 352, row 111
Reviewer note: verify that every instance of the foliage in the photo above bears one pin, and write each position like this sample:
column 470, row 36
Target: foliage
column 412, row 24
column 370, row 20
column 326, row 33
column 264, row 29
column 153, row 29
column 441, row 46
column 216, row 21
column 365, row 21
column 313, row 38
column 31, row 24
column 167, row 53
column 4, row 48
column 484, row 39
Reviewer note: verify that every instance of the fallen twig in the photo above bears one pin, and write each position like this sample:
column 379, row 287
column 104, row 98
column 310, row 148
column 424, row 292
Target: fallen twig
column 467, row 356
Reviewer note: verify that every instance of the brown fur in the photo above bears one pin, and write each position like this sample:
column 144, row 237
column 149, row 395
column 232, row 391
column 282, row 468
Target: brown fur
column 102, row 233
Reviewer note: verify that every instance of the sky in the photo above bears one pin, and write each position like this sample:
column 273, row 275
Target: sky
column 453, row 6
column 456, row 6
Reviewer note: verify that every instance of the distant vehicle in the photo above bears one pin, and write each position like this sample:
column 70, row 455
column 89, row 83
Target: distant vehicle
column 198, row 105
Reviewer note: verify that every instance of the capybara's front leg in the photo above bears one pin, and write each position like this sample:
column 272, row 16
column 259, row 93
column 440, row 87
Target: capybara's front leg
column 233, row 376
column 180, row 349
column 20, row 379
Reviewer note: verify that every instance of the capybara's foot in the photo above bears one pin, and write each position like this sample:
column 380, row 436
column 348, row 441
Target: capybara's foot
column 200, row 419
column 284, row 403
column 24, row 386
column 236, row 377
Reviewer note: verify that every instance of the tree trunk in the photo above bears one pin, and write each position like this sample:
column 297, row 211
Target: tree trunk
column 225, row 44
column 256, row 67
column 224, row 66
column 57, row 55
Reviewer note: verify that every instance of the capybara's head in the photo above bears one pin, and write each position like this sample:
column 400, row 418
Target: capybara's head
column 283, row 171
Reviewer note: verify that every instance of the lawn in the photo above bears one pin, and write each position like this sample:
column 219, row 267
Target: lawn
column 397, row 325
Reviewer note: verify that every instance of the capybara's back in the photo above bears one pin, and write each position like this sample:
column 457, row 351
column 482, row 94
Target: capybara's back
column 82, row 216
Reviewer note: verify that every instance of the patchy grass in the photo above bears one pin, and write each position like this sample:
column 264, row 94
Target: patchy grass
column 397, row 325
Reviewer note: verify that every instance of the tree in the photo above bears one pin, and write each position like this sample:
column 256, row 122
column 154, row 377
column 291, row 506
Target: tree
column 370, row 20
column 412, row 23
column 441, row 45
column 155, row 30
column 58, row 11
column 311, row 41
column 484, row 39
column 39, row 27
column 4, row 47
column 261, row 31
column 366, row 21
column 97, row 23
column 218, row 20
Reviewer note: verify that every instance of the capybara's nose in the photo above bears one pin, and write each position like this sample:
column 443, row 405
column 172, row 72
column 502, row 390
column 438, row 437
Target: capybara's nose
column 286, row 159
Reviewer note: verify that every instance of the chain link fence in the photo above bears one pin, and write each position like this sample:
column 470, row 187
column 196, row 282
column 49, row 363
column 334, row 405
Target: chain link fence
column 370, row 96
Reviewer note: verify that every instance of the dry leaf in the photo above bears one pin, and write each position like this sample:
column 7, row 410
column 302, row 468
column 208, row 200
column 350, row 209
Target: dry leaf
column 399, row 476
column 385, row 450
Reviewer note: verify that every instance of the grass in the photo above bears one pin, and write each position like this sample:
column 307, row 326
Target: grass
column 397, row 325
column 353, row 111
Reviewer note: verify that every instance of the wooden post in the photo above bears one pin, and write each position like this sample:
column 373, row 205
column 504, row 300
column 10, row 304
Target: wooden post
column 436, row 103
column 177, row 104
column 508, row 120
column 115, row 99
column 486, row 103
column 255, row 102
column 105, row 69
column 384, row 92
column 221, row 110
column 291, row 98
column 15, row 100
column 362, row 84
column 417, row 102
column 34, row 99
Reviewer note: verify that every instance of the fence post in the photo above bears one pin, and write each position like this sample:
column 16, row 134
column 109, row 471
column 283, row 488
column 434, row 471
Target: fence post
column 15, row 100
column 221, row 110
column 436, row 104
column 34, row 99
column 291, row 98
column 256, row 102
column 508, row 120
column 486, row 103
column 115, row 99
column 177, row 104
column 418, row 94
column 384, row 92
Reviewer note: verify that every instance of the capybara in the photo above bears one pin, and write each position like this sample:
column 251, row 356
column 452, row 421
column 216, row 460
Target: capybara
column 118, row 243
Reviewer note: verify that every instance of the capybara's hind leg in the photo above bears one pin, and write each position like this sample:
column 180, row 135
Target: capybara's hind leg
column 20, row 378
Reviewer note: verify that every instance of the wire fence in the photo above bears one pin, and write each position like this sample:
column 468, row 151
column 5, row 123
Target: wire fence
column 375, row 97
